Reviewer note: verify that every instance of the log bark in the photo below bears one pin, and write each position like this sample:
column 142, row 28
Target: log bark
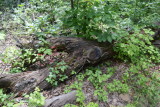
column 80, row 52
column 25, row 82
column 61, row 100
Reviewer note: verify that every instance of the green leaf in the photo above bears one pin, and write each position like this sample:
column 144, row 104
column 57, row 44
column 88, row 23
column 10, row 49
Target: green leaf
column 109, row 39
column 2, row 35
column 48, row 51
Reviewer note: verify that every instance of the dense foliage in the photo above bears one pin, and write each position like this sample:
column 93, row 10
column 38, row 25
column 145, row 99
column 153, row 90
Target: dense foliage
column 127, row 24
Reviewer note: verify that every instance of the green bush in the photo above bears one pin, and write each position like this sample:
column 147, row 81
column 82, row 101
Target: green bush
column 7, row 101
column 141, row 55
column 137, row 46
column 56, row 73
column 36, row 99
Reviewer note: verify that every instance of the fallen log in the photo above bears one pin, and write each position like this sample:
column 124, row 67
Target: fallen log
column 61, row 100
column 25, row 82
column 81, row 53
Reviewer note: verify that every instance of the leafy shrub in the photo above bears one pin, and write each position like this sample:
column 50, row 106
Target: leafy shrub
column 56, row 73
column 138, row 50
column 117, row 86
column 80, row 95
column 102, row 20
column 7, row 101
column 27, row 57
column 35, row 99
column 136, row 46
column 99, row 81
column 91, row 104
column 92, row 19
column 144, row 84
column 96, row 77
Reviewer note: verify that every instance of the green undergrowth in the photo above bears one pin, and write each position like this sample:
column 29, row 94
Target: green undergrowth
column 144, row 88
column 4, row 102
column 142, row 56
column 101, row 88
column 140, row 78
column 57, row 72
column 34, row 99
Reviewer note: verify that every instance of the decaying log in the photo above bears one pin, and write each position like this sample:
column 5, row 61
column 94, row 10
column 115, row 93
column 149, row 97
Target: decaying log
column 61, row 100
column 80, row 53
column 25, row 82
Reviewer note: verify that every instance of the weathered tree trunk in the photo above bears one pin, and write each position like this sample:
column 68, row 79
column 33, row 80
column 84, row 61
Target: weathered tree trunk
column 25, row 82
column 61, row 100
column 80, row 53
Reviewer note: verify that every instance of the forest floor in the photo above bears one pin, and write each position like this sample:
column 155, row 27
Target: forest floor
column 114, row 99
